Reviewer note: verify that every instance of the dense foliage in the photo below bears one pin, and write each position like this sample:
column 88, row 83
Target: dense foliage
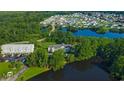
column 85, row 50
column 22, row 26
column 118, row 68
column 57, row 60
column 40, row 58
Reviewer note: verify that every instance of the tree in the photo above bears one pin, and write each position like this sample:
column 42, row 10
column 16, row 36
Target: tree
column 66, row 37
column 112, row 50
column 102, row 29
column 31, row 60
column 21, row 25
column 57, row 60
column 118, row 68
column 70, row 58
column 42, row 57
column 38, row 58
column 84, row 50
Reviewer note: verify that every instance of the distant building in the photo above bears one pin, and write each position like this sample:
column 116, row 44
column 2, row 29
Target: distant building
column 17, row 48
column 53, row 48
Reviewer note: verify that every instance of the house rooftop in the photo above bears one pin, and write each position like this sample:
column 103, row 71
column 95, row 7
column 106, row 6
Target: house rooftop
column 59, row 45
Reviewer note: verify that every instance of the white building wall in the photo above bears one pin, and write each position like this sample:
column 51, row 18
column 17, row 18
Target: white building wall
column 17, row 48
column 53, row 49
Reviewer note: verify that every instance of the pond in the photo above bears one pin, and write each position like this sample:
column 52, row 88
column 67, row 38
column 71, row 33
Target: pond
column 77, row 71
column 87, row 32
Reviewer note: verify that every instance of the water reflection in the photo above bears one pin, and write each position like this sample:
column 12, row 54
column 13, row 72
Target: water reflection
column 87, row 32
column 78, row 71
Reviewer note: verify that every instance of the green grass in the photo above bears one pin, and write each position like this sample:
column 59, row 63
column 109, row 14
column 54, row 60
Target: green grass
column 31, row 72
column 5, row 67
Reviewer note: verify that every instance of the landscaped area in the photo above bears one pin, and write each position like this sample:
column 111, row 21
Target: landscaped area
column 31, row 72
column 6, row 67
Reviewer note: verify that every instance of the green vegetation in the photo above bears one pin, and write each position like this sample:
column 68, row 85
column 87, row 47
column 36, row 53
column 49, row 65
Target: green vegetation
column 44, row 44
column 118, row 68
column 24, row 26
column 9, row 67
column 31, row 72
column 102, row 30
column 84, row 50
column 40, row 55
column 70, row 58
column 61, row 37
column 113, row 54
column 57, row 60
column 88, row 47
column 4, row 68
column 40, row 59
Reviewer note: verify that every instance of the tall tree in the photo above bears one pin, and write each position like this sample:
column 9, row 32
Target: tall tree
column 42, row 57
column 84, row 50
column 57, row 60
column 31, row 60
column 70, row 58
column 117, row 69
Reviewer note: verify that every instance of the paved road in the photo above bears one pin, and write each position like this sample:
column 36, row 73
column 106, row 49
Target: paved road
column 12, row 59
column 53, row 28
column 17, row 75
column 40, row 40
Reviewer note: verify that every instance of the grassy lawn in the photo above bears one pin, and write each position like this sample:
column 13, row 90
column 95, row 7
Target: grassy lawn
column 5, row 67
column 31, row 72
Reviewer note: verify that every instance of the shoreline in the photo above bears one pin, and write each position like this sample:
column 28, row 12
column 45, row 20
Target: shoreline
column 96, row 61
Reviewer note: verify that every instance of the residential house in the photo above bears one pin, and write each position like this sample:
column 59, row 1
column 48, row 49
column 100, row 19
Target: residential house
column 53, row 48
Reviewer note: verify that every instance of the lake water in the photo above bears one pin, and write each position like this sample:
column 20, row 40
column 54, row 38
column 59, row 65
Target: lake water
column 87, row 32
column 78, row 71
column 93, row 33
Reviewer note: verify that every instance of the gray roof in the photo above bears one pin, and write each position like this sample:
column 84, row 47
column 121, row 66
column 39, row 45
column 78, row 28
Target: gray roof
column 59, row 45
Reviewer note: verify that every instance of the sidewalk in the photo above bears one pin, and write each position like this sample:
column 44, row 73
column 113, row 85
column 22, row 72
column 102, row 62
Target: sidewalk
column 17, row 75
